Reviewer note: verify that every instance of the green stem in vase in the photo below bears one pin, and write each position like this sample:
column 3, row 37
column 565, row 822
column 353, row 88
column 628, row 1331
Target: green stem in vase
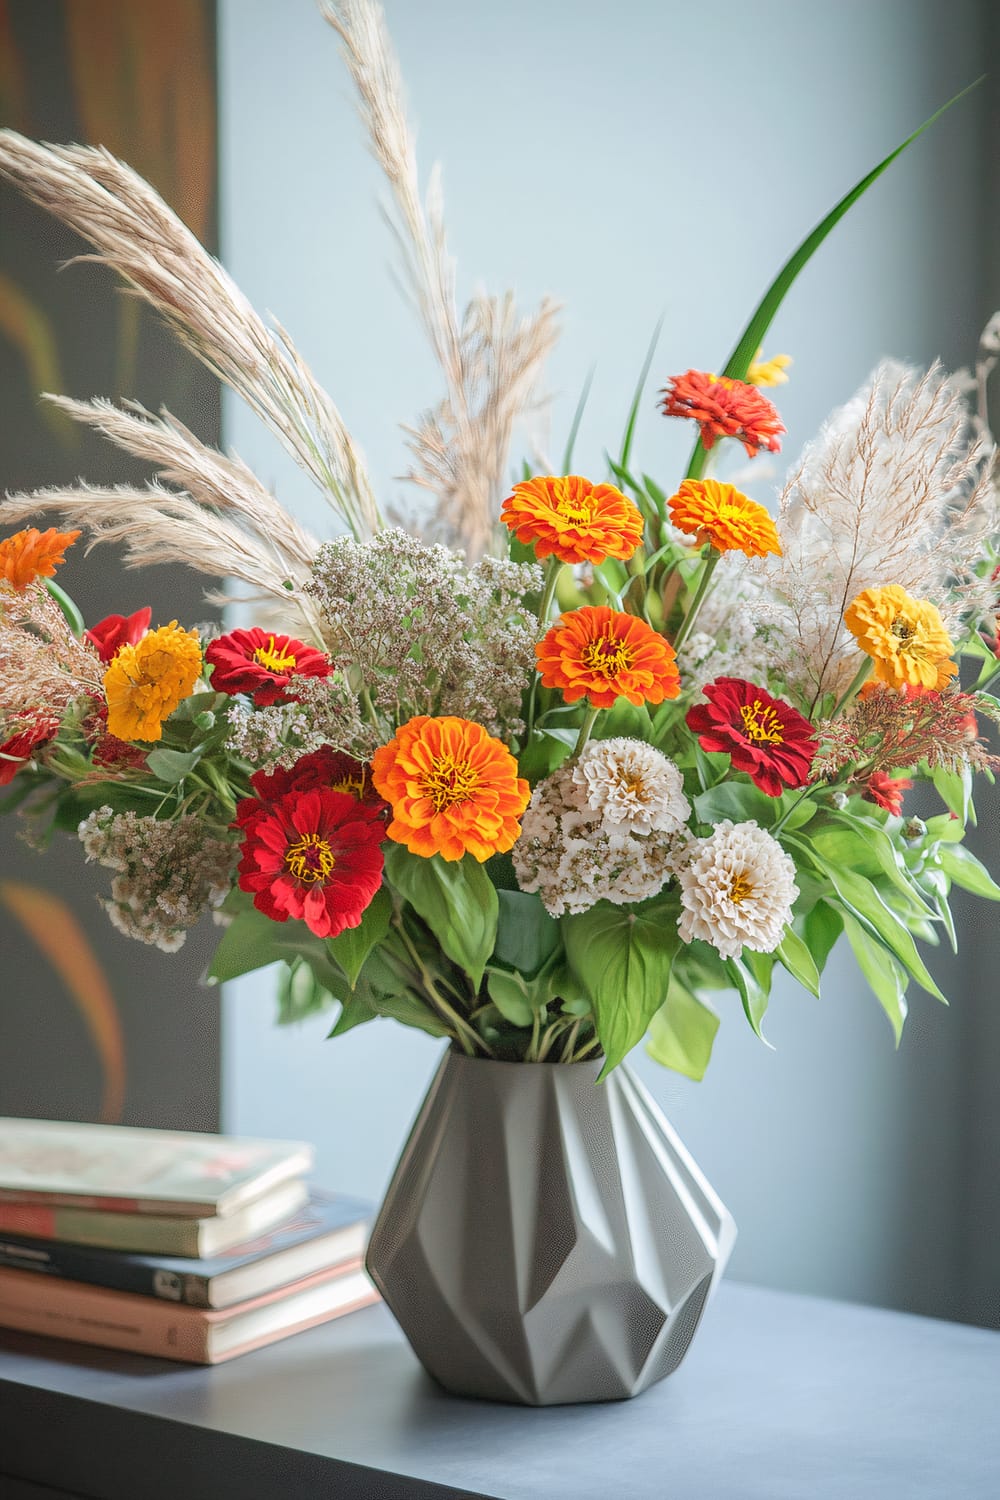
column 466, row 1036
column 585, row 728
column 687, row 623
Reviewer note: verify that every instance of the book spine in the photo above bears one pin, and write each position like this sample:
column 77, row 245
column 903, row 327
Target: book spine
column 93, row 1316
column 115, row 1271
column 181, row 1208
column 139, row 1232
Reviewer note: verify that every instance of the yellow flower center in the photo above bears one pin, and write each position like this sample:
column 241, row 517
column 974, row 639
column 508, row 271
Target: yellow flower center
column 741, row 889
column 609, row 656
column 449, row 780
column 632, row 782
column 761, row 725
column 354, row 786
column 577, row 509
column 311, row 859
column 273, row 659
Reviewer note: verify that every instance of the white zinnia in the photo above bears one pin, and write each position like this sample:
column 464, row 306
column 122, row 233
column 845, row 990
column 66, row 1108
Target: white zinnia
column 633, row 787
column 737, row 889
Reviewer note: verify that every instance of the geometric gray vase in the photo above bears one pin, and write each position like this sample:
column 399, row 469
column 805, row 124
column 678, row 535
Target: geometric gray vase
column 546, row 1238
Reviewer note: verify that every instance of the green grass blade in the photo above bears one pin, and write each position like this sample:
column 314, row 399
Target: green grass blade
column 574, row 426
column 640, row 386
column 753, row 335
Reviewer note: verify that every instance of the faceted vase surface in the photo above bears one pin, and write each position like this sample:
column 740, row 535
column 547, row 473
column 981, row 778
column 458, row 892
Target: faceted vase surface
column 546, row 1238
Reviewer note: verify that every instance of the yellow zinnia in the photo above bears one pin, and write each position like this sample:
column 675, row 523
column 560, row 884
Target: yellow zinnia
column 905, row 637
column 145, row 682
column 768, row 372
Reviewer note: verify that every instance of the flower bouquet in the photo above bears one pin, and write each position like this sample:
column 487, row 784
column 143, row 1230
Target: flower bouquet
column 556, row 769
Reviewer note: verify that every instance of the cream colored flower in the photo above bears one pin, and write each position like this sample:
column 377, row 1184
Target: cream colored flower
column 632, row 786
column 737, row 889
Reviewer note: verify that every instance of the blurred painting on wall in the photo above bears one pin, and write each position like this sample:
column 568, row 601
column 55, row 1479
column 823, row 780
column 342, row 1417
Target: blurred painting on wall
column 92, row 1024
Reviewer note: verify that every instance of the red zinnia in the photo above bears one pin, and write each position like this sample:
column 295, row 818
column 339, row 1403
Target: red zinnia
column 724, row 408
column 114, row 631
column 262, row 665
column 764, row 736
column 887, row 791
column 323, row 769
column 314, row 856
column 16, row 751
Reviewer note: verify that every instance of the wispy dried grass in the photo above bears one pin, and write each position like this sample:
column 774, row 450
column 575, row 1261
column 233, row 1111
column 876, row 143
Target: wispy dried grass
column 222, row 521
column 896, row 489
column 43, row 667
column 491, row 358
column 134, row 232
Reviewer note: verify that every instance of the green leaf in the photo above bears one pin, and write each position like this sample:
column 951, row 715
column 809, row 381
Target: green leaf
column 356, row 1010
column 71, row 613
column 864, row 846
column 252, row 941
column 352, row 946
column 623, row 957
column 457, row 900
column 739, row 800
column 883, row 971
column 574, row 426
column 753, row 335
column 509, row 994
column 408, row 1008
column 526, row 935
column 793, row 954
column 753, row 994
column 172, row 766
column 640, row 386
column 955, row 790
column 682, row 1032
column 822, row 926
column 299, row 993
column 962, row 867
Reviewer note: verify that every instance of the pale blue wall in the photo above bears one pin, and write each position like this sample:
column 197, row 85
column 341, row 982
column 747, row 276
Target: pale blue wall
column 634, row 159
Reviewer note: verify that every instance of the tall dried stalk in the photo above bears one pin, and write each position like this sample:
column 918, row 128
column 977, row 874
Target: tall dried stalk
column 134, row 232
column 490, row 358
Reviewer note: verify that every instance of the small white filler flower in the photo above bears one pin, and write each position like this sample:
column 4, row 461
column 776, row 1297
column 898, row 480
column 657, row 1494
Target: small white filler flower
column 737, row 889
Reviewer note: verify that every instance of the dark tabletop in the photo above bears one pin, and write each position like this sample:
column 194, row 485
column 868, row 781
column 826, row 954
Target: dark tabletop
column 781, row 1398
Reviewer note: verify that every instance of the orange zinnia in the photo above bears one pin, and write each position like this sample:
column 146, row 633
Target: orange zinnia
column 452, row 787
column 720, row 514
column 32, row 554
column 572, row 519
column 599, row 654
column 723, row 407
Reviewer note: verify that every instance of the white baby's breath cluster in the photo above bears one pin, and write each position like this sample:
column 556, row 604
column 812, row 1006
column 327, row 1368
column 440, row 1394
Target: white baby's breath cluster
column 737, row 888
column 424, row 632
column 325, row 713
column 168, row 873
column 603, row 827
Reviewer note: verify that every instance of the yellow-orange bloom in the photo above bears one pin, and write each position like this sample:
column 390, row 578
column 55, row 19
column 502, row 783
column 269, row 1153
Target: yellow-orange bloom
column 905, row 637
column 568, row 517
column 601, row 655
column 145, row 682
column 768, row 372
column 720, row 514
column 452, row 787
column 32, row 554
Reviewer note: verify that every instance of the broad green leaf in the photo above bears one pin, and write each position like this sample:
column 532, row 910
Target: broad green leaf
column 71, row 613
column 962, row 867
column 408, row 1008
column 509, row 994
column 793, row 955
column 526, row 935
column 934, row 880
column 753, row 994
column 739, row 800
column 682, row 1032
column 883, row 971
column 353, row 945
column 457, row 900
column 955, row 790
column 623, row 719
column 172, row 766
column 356, row 1010
column 945, row 828
column 299, row 993
column 822, row 926
column 623, row 958
column 252, row 941
column 887, row 856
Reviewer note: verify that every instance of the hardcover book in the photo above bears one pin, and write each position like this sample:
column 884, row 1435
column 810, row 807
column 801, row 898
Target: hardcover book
column 328, row 1231
column 120, row 1320
column 125, row 1169
column 154, row 1234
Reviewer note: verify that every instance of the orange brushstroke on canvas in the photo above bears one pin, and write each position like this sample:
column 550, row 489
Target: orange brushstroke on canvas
column 58, row 934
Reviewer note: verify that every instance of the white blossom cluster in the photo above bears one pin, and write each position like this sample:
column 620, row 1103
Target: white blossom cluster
column 325, row 713
column 734, row 638
column 737, row 888
column 168, row 873
column 424, row 633
column 602, row 827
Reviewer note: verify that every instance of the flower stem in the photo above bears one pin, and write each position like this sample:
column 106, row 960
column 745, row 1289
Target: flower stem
column 696, row 603
column 552, row 572
column 861, row 677
column 466, row 1036
column 585, row 729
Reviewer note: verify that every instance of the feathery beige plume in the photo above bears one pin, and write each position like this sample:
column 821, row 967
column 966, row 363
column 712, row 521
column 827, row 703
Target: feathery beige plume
column 895, row 489
column 134, row 232
column 490, row 358
column 43, row 667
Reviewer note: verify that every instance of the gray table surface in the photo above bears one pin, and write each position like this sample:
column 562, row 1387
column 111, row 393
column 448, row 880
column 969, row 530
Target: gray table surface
column 781, row 1396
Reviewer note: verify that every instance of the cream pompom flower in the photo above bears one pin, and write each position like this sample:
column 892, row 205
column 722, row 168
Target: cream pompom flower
column 633, row 787
column 737, row 888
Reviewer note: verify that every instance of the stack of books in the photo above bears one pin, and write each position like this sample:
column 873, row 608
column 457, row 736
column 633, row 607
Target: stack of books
column 188, row 1246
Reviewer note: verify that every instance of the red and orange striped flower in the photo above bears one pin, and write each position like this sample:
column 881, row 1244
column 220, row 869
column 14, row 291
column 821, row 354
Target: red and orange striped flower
column 452, row 787
column 32, row 554
column 724, row 407
column 599, row 654
column 567, row 517
column 720, row 514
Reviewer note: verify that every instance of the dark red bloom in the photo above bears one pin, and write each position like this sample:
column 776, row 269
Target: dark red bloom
column 315, row 856
column 262, row 665
column 113, row 754
column 764, row 736
column 16, row 751
column 724, row 407
column 887, row 791
column 115, row 631
column 324, row 768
